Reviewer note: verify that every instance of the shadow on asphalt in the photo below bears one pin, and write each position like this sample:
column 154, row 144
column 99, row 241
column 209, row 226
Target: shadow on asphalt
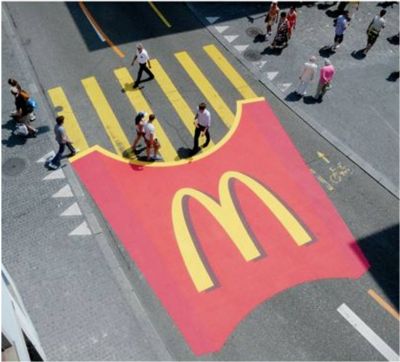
column 293, row 97
column 184, row 152
column 311, row 100
column 15, row 140
column 359, row 54
column 272, row 51
column 393, row 76
column 326, row 51
column 394, row 40
column 382, row 251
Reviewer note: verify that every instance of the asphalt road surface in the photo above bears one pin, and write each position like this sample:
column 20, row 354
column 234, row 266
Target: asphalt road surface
column 80, row 59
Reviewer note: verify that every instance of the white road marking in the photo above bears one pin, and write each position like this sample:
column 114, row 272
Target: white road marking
column 64, row 192
column 241, row 48
column 261, row 63
column 231, row 38
column 212, row 19
column 221, row 29
column 95, row 28
column 46, row 157
column 284, row 86
column 368, row 333
column 73, row 210
column 272, row 75
column 55, row 175
column 82, row 229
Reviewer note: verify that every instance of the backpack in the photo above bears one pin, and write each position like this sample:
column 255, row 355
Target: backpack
column 31, row 103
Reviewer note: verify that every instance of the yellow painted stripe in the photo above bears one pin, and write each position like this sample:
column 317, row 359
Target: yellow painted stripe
column 214, row 99
column 230, row 72
column 160, row 15
column 173, row 95
column 71, row 124
column 106, row 115
column 385, row 305
column 139, row 103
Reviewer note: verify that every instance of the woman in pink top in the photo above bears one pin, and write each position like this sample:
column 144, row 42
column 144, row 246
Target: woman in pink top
column 326, row 75
column 292, row 18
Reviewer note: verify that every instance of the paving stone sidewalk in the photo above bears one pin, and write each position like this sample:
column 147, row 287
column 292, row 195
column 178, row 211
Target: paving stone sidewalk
column 360, row 114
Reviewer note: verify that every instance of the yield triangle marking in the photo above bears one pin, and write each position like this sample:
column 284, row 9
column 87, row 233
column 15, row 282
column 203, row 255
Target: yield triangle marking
column 212, row 19
column 82, row 229
column 221, row 29
column 284, row 86
column 261, row 63
column 231, row 38
column 46, row 157
column 272, row 75
column 73, row 210
column 241, row 48
column 54, row 175
column 64, row 192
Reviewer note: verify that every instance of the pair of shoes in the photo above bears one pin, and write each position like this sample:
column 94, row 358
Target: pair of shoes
column 53, row 166
column 204, row 146
column 135, row 85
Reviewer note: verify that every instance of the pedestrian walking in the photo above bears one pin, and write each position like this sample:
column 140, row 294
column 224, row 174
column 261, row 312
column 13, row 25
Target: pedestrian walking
column 272, row 16
column 326, row 76
column 307, row 76
column 139, row 125
column 352, row 7
column 14, row 83
column 62, row 140
column 143, row 59
column 292, row 19
column 202, row 121
column 23, row 109
column 340, row 28
column 31, row 104
column 282, row 33
column 152, row 143
column 374, row 29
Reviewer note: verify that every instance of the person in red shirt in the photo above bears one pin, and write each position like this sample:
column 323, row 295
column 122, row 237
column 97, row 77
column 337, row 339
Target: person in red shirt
column 326, row 75
column 292, row 18
column 272, row 16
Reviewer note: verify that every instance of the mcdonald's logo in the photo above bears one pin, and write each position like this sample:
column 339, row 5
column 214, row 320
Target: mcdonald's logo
column 226, row 213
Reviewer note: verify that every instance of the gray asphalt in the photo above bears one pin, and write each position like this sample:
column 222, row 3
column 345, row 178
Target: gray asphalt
column 86, row 297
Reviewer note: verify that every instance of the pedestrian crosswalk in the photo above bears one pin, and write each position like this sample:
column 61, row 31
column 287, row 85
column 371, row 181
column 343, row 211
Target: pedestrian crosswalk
column 108, row 117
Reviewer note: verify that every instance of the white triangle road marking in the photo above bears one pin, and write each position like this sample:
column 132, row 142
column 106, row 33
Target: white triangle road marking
column 212, row 19
column 284, row 86
column 46, row 157
column 82, row 229
column 271, row 75
column 55, row 175
column 73, row 210
column 241, row 48
column 221, row 29
column 261, row 63
column 64, row 192
column 231, row 38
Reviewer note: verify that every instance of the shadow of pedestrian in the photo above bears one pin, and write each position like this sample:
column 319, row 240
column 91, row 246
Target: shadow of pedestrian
column 10, row 125
column 14, row 140
column 394, row 40
column 310, row 100
column 260, row 38
column 293, row 97
column 386, row 4
column 333, row 13
column 42, row 129
column 325, row 6
column 326, row 51
column 184, row 152
column 272, row 51
column 359, row 54
column 393, row 76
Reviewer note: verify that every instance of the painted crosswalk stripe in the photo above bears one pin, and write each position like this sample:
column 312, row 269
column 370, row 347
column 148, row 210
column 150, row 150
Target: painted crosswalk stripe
column 139, row 103
column 106, row 115
column 173, row 95
column 368, row 333
column 206, row 88
column 71, row 124
column 234, row 77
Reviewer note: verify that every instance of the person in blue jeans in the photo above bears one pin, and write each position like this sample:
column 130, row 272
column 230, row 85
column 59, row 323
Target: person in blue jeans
column 62, row 140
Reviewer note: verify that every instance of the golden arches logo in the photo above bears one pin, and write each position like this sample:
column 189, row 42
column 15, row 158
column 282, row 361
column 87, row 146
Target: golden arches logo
column 228, row 217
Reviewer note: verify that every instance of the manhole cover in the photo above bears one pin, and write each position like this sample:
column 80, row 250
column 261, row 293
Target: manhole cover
column 13, row 166
column 253, row 31
column 252, row 55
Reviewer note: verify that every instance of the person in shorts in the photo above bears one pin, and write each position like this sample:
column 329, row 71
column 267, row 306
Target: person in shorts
column 151, row 140
column 374, row 28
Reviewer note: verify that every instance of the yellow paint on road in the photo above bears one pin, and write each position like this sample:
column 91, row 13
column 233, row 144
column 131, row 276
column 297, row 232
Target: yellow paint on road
column 106, row 115
column 160, row 15
column 206, row 88
column 385, row 305
column 229, row 71
column 71, row 124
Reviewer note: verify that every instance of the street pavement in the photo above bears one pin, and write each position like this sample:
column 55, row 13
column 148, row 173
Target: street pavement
column 88, row 296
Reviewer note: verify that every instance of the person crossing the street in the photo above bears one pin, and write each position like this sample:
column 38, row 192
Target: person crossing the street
column 144, row 64
column 202, row 124
column 152, row 143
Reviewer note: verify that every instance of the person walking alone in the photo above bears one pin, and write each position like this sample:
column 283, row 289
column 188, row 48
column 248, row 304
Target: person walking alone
column 62, row 140
column 292, row 19
column 272, row 16
column 341, row 26
column 202, row 121
column 307, row 76
column 143, row 60
column 374, row 28
column 326, row 76
column 152, row 143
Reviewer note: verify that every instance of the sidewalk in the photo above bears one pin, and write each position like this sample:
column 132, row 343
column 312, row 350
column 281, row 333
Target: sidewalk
column 360, row 114
column 55, row 247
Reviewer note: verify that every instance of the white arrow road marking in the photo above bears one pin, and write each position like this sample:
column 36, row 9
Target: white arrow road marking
column 212, row 19
column 231, row 38
column 376, row 341
column 241, row 48
column 55, row 175
column 73, row 210
column 82, row 229
column 64, row 192
column 284, row 86
column 272, row 75
column 46, row 157
column 221, row 29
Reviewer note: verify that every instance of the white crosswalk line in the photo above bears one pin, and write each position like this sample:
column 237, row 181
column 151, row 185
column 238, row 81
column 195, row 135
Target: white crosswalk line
column 55, row 175
column 212, row 19
column 73, row 210
column 82, row 229
column 221, row 29
column 64, row 192
column 231, row 38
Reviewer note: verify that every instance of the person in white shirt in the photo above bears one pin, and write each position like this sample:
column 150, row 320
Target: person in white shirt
column 377, row 24
column 307, row 76
column 143, row 60
column 202, row 121
column 151, row 140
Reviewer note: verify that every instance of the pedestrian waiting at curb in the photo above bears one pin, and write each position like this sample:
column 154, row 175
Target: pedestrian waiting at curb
column 139, row 126
column 202, row 122
column 340, row 28
column 282, row 33
column 143, row 59
column 374, row 29
column 326, row 76
column 272, row 16
column 23, row 110
column 152, row 143
column 307, row 76
column 62, row 140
